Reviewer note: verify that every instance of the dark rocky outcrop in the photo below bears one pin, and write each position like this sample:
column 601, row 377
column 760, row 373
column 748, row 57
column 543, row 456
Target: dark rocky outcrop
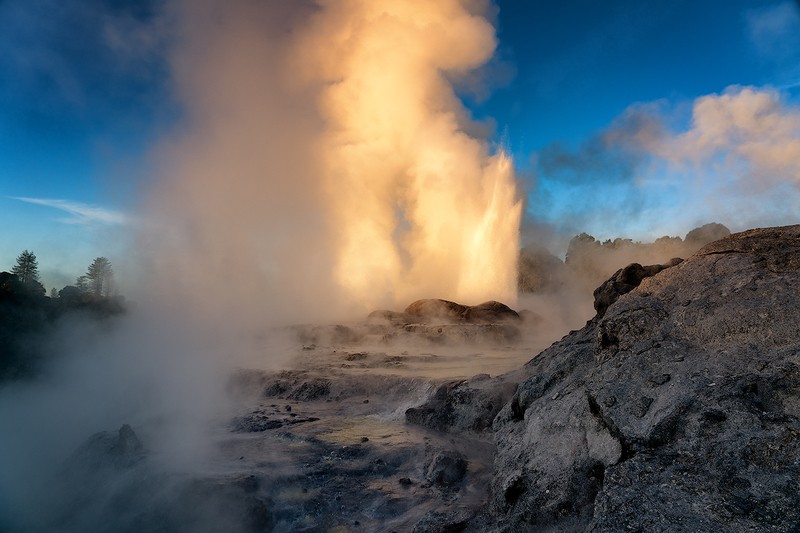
column 676, row 410
column 466, row 405
column 624, row 281
column 446, row 468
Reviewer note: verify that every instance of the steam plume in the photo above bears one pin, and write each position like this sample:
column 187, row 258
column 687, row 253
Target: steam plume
column 332, row 160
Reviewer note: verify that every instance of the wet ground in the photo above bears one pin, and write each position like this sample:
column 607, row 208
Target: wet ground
column 319, row 444
column 327, row 438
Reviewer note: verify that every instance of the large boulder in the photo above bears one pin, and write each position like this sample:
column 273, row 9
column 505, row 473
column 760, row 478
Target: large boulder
column 677, row 410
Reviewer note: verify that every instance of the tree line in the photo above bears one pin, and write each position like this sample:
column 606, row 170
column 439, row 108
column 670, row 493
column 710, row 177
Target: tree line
column 27, row 315
column 98, row 281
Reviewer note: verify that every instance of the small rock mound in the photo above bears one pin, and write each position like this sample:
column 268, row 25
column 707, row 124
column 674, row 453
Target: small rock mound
column 110, row 449
column 432, row 309
column 489, row 312
column 707, row 233
column 436, row 309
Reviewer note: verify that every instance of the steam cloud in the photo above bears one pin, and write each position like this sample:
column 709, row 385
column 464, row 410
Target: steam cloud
column 737, row 162
column 324, row 166
column 332, row 162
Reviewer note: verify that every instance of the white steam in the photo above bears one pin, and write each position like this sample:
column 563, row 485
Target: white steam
column 327, row 166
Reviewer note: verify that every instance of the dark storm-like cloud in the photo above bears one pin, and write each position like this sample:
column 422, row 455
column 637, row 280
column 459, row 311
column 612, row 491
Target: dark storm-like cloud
column 734, row 159
column 610, row 156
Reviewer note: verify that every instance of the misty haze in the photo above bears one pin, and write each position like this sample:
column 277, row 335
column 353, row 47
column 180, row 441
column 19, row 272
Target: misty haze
column 399, row 265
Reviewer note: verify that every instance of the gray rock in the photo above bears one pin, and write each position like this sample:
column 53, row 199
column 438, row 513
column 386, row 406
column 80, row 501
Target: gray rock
column 624, row 281
column 676, row 410
column 466, row 405
column 313, row 389
column 443, row 522
column 109, row 449
column 446, row 468
column 707, row 233
column 490, row 312
column 429, row 310
column 434, row 309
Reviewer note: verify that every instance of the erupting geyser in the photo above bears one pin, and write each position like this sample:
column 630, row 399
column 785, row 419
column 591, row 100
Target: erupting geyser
column 334, row 160
column 422, row 207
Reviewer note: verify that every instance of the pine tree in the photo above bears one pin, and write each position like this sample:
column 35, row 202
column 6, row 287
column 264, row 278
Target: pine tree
column 100, row 276
column 27, row 268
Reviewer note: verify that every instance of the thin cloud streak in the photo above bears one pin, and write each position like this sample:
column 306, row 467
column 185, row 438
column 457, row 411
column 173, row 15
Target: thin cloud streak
column 80, row 213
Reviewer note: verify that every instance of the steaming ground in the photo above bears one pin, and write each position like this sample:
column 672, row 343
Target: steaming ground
column 314, row 438
column 266, row 427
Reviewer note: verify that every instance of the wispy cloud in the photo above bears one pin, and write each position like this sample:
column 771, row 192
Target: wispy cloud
column 79, row 213
column 774, row 32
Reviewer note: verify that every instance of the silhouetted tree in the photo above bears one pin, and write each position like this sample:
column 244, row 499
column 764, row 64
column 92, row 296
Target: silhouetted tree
column 27, row 317
column 71, row 296
column 27, row 268
column 23, row 314
column 100, row 277
column 54, row 293
column 27, row 272
column 82, row 284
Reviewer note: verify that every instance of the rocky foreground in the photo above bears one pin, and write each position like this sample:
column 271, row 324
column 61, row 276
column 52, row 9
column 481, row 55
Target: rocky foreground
column 676, row 408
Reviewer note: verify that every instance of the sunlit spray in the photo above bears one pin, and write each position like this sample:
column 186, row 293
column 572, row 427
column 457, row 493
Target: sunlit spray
column 333, row 162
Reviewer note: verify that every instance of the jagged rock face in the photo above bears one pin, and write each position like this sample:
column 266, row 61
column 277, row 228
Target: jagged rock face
column 678, row 410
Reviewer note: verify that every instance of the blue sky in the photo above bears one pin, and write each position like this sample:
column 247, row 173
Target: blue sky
column 574, row 88
column 579, row 64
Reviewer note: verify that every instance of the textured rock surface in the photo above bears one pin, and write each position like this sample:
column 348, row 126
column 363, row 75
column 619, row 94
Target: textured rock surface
column 624, row 281
column 678, row 410
column 466, row 405
column 446, row 468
